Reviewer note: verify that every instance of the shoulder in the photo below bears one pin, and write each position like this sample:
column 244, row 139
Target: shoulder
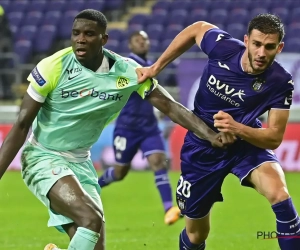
column 218, row 44
column 122, row 62
column 281, row 70
column 131, row 62
column 280, row 73
column 48, row 71
column 55, row 61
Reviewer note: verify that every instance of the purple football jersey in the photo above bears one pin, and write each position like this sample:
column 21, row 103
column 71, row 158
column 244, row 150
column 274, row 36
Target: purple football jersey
column 225, row 86
column 138, row 114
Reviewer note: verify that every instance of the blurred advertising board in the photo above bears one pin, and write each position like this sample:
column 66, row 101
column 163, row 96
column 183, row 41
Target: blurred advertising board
column 288, row 152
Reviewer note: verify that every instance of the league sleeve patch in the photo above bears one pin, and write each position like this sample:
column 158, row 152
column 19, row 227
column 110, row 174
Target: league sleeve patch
column 38, row 77
column 289, row 98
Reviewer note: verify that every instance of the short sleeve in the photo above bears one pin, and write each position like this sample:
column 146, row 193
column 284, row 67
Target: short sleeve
column 147, row 87
column 132, row 63
column 284, row 99
column 218, row 44
column 43, row 79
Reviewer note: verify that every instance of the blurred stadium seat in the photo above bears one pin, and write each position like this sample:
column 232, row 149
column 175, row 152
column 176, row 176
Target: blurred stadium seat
column 166, row 19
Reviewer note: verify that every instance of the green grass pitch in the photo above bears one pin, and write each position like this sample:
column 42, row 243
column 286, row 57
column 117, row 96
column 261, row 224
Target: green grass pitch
column 134, row 216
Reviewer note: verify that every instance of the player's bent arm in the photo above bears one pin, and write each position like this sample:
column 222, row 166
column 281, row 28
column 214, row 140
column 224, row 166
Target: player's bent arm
column 17, row 135
column 181, row 43
column 270, row 137
column 179, row 114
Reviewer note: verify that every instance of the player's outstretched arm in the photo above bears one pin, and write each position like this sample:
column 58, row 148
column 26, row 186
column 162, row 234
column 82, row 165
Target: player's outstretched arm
column 181, row 43
column 17, row 135
column 179, row 114
column 268, row 138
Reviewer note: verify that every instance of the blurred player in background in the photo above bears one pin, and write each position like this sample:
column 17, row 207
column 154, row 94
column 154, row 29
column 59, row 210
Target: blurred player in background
column 240, row 82
column 72, row 95
column 137, row 128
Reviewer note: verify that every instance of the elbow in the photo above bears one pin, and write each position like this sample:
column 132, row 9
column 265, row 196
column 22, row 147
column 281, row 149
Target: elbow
column 198, row 25
column 275, row 144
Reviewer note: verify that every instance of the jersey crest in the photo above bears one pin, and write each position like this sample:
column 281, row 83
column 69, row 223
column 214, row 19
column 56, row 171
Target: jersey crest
column 257, row 84
column 122, row 82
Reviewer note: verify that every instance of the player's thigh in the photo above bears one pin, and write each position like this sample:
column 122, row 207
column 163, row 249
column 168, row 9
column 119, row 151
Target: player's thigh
column 126, row 144
column 248, row 159
column 269, row 180
column 85, row 186
column 202, row 175
column 40, row 171
column 260, row 169
column 68, row 198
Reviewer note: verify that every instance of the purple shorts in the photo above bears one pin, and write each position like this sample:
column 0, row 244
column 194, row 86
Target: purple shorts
column 204, row 168
column 127, row 142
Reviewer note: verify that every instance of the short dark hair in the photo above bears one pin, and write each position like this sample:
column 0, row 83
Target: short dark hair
column 93, row 15
column 267, row 24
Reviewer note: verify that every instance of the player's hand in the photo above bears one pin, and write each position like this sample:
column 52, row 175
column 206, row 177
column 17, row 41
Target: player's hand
column 226, row 138
column 225, row 123
column 216, row 141
column 144, row 73
column 222, row 140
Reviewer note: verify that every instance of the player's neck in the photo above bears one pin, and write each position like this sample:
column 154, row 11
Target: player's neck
column 95, row 64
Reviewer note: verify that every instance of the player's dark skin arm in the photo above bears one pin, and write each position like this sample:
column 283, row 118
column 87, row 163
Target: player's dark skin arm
column 179, row 114
column 17, row 135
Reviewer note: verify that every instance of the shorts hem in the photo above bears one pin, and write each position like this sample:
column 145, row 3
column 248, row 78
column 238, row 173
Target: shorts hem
column 49, row 186
column 122, row 164
column 151, row 152
column 199, row 218
column 242, row 179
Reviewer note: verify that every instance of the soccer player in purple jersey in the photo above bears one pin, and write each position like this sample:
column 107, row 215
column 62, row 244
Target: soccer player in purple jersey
column 241, row 81
column 137, row 128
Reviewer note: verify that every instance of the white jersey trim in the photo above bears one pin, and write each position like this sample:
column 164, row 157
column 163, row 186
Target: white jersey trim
column 280, row 109
column 35, row 95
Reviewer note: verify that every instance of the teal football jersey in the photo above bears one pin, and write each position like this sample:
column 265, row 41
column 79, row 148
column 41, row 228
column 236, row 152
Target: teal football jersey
column 77, row 102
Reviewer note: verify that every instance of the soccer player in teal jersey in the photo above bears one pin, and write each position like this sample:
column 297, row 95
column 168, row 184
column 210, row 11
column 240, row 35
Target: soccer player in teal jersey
column 72, row 96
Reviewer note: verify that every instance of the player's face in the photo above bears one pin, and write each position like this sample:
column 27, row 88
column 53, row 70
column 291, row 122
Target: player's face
column 87, row 41
column 262, row 49
column 139, row 44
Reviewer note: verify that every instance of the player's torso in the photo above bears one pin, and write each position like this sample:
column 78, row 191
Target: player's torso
column 224, row 86
column 83, row 101
column 138, row 113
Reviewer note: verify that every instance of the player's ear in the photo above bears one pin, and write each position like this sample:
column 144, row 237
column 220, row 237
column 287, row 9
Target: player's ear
column 280, row 47
column 104, row 39
column 246, row 40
